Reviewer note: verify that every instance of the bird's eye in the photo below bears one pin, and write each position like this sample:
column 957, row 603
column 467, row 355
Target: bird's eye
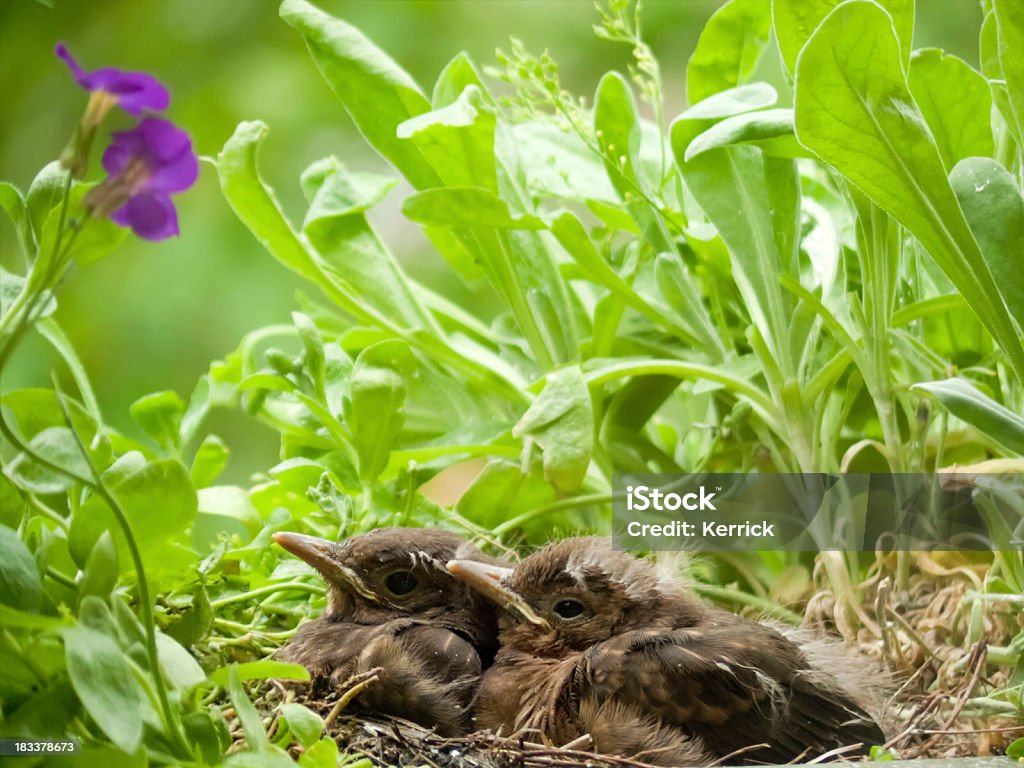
column 400, row 582
column 569, row 608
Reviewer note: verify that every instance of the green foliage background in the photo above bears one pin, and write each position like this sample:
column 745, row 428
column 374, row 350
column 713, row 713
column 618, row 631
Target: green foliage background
column 150, row 318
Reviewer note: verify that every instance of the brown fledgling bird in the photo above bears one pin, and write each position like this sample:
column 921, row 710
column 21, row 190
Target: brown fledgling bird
column 391, row 604
column 598, row 642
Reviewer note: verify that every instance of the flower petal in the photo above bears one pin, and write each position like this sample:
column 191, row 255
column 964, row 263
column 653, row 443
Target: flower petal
column 151, row 216
column 63, row 53
column 135, row 91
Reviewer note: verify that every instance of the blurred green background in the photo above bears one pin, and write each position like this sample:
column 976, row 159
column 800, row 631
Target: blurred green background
column 151, row 316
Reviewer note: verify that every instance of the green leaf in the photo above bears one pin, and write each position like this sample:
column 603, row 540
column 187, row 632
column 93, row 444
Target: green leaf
column 350, row 253
column 59, row 448
column 465, row 207
column 159, row 414
column 260, row 670
column 701, row 116
column 966, row 402
column 729, row 48
column 252, row 725
column 770, row 129
column 105, row 684
column 100, row 573
column 13, row 202
column 374, row 407
column 618, row 130
column 735, row 186
column 177, row 664
column 854, row 109
column 1010, row 21
column 20, row 585
column 95, row 237
column 956, row 103
column 994, row 210
column 275, row 759
column 457, row 141
column 324, row 754
column 44, row 194
column 501, row 491
column 992, row 69
column 157, row 499
column 304, row 724
column 210, row 459
column 254, row 202
column 561, row 422
column 796, row 20
column 377, row 94
column 193, row 624
column 313, row 346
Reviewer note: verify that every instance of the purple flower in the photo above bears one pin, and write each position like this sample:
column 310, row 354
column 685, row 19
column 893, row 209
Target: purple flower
column 132, row 91
column 145, row 165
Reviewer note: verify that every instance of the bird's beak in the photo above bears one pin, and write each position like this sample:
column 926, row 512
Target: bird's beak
column 488, row 581
column 320, row 554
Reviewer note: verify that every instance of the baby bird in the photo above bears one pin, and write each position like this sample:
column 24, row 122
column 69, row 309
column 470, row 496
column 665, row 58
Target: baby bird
column 598, row 642
column 391, row 604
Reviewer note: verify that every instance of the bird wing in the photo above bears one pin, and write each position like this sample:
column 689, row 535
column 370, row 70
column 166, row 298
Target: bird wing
column 733, row 686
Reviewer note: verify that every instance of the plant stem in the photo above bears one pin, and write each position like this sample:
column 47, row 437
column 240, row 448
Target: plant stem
column 148, row 619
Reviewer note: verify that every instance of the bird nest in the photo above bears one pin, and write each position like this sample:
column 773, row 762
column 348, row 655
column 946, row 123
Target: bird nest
column 922, row 635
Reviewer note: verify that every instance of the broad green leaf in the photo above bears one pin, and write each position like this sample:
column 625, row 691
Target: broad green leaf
column 618, row 131
column 193, row 624
column 965, row 401
column 45, row 193
column 994, row 209
column 275, row 759
column 457, row 141
column 304, row 724
column 20, row 586
column 684, row 298
column 501, row 491
column 95, row 237
column 374, row 409
column 324, row 754
column 1010, row 21
column 465, row 207
column 260, row 670
column 11, row 287
column 734, row 186
column 12, row 617
column 159, row 502
column 313, row 347
column 351, row 254
column 159, row 414
column 992, row 69
column 58, row 447
column 13, row 203
column 701, row 116
column 100, row 573
column 252, row 724
column 561, row 423
column 796, row 20
column 770, row 129
column 457, row 75
column 177, row 664
column 377, row 94
column 105, row 684
column 855, row 111
column 956, row 103
column 254, row 203
column 729, row 48
column 559, row 164
column 210, row 459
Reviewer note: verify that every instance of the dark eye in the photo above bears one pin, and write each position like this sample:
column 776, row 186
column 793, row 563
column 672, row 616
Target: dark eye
column 400, row 582
column 568, row 608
